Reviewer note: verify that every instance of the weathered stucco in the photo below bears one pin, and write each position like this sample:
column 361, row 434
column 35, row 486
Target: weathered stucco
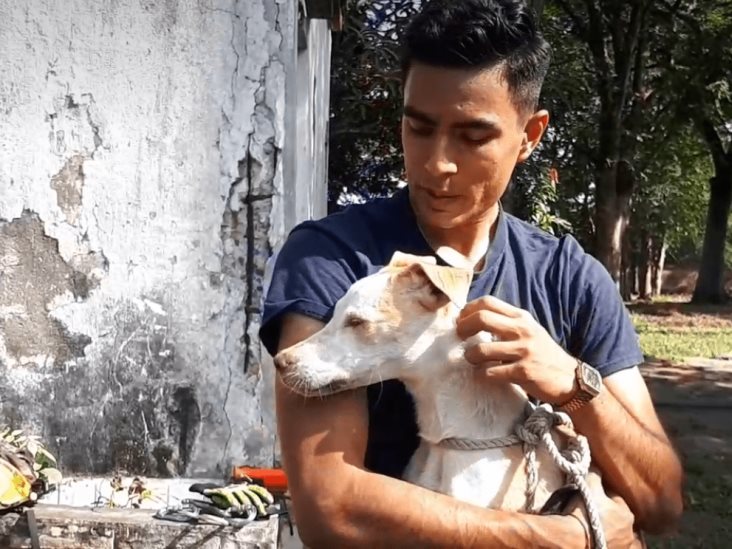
column 309, row 194
column 141, row 185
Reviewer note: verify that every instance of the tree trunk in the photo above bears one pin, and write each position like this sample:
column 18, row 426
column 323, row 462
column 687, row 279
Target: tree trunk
column 612, row 39
column 614, row 189
column 710, row 284
column 646, row 266
column 611, row 222
column 628, row 269
column 659, row 262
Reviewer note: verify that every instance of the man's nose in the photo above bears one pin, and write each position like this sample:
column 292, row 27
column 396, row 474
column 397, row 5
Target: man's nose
column 284, row 362
column 441, row 161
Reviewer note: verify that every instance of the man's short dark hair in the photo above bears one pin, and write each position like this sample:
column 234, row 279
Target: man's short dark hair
column 481, row 34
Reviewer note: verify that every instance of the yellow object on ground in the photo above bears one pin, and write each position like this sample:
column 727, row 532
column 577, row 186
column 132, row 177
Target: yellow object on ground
column 15, row 489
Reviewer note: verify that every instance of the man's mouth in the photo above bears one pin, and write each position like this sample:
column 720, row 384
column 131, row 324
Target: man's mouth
column 440, row 196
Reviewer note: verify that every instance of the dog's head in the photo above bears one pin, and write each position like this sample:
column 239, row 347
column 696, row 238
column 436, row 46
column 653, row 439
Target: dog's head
column 380, row 328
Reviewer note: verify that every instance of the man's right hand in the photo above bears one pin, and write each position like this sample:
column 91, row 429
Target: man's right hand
column 617, row 518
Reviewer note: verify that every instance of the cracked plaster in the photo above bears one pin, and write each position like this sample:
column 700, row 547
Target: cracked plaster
column 142, row 156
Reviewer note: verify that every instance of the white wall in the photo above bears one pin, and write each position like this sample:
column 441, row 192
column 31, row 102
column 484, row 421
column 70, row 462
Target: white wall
column 313, row 95
column 142, row 153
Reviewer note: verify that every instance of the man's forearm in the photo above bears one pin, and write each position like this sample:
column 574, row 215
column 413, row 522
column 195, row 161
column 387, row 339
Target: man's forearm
column 381, row 511
column 641, row 466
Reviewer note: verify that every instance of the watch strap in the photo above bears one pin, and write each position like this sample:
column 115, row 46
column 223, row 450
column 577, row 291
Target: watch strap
column 581, row 396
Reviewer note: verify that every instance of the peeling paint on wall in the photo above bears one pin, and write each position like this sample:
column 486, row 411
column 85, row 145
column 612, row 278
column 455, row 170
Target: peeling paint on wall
column 140, row 195
column 33, row 275
column 68, row 184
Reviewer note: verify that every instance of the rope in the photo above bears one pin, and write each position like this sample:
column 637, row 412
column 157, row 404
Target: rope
column 574, row 461
column 457, row 443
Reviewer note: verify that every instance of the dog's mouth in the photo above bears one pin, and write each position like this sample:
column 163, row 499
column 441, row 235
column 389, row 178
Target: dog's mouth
column 305, row 389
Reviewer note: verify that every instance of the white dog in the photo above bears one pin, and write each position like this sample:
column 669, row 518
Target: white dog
column 400, row 324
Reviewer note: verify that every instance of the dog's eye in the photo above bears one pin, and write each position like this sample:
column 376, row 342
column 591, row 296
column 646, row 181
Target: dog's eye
column 353, row 321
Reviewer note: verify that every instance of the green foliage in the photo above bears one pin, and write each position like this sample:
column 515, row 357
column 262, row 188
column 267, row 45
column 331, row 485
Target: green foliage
column 673, row 193
column 543, row 215
column 533, row 197
column 365, row 148
column 683, row 73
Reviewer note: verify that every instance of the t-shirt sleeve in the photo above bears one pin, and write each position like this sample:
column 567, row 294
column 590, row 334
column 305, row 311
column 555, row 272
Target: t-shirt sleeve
column 313, row 270
column 603, row 334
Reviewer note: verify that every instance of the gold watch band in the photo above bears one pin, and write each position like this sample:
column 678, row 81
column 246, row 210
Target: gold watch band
column 581, row 395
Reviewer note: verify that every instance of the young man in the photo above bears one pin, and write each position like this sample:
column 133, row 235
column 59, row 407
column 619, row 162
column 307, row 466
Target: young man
column 472, row 74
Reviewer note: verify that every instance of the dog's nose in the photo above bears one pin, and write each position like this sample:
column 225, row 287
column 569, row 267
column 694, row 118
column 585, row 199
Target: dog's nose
column 284, row 362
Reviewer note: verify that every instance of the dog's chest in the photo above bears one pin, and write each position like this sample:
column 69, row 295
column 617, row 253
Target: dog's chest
column 487, row 478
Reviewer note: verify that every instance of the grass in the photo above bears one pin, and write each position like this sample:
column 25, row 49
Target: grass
column 674, row 330
column 707, row 521
column 677, row 343
column 671, row 328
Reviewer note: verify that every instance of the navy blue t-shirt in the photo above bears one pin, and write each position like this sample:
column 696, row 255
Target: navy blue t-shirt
column 566, row 290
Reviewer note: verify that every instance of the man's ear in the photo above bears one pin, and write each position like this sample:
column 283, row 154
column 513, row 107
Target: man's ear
column 533, row 131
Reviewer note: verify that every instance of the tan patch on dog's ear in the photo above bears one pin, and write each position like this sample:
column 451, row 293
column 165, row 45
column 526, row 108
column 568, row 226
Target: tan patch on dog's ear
column 454, row 282
column 400, row 259
column 454, row 258
column 436, row 285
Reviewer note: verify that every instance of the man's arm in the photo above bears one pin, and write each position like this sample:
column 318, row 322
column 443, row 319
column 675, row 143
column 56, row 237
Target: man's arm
column 337, row 502
column 632, row 450
column 627, row 441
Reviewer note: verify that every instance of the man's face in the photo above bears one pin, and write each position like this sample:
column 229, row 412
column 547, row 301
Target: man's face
column 462, row 137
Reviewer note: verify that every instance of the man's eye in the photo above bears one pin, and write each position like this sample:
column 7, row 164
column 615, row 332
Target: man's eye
column 353, row 321
column 420, row 130
column 476, row 138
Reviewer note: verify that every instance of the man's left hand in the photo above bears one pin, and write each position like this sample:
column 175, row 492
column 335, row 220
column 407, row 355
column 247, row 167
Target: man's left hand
column 522, row 351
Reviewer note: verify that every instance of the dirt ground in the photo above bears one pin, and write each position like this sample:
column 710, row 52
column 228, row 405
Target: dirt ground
column 694, row 400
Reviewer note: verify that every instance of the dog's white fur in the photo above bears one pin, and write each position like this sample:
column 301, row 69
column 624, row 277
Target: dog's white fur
column 400, row 324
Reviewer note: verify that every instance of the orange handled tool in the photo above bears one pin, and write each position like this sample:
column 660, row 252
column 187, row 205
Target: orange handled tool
column 273, row 480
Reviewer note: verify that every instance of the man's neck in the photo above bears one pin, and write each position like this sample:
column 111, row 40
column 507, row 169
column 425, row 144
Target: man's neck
column 469, row 240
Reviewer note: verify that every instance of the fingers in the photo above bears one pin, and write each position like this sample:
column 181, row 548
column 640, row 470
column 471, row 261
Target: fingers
column 485, row 320
column 494, row 351
column 620, row 502
column 491, row 303
column 500, row 373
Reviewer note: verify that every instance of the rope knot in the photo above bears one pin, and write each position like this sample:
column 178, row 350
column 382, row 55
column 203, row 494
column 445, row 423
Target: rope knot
column 538, row 424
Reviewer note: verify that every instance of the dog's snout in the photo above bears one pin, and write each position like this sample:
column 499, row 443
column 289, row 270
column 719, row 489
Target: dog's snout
column 284, row 362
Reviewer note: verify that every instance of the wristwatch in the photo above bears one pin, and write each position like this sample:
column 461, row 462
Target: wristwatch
column 588, row 386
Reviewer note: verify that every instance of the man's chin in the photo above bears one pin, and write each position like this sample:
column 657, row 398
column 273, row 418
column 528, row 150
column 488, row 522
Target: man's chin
column 438, row 218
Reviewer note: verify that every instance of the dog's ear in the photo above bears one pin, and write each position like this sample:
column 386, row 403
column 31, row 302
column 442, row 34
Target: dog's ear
column 400, row 259
column 437, row 285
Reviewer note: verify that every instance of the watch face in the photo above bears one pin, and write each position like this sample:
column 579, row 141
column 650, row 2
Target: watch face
column 591, row 378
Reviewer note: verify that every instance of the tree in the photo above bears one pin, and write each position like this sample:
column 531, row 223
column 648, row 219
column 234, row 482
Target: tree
column 700, row 67
column 668, row 207
column 636, row 94
column 365, row 156
column 613, row 33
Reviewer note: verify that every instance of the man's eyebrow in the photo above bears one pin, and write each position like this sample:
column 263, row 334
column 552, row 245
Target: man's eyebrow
column 411, row 112
column 474, row 124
